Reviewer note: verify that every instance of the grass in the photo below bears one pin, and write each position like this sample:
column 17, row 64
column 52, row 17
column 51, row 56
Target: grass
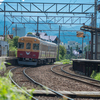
column 65, row 61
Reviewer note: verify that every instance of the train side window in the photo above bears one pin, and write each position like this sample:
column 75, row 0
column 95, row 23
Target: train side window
column 21, row 45
column 28, row 45
column 35, row 46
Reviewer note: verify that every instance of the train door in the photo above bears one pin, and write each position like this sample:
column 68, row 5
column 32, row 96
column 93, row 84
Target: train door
column 28, row 50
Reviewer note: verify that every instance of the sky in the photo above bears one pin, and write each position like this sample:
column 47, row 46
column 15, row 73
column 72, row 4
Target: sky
column 52, row 1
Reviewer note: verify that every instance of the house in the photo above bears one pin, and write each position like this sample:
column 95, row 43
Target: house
column 44, row 36
column 73, row 44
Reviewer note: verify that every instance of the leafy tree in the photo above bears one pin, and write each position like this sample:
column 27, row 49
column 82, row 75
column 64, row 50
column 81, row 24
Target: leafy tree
column 62, row 51
column 29, row 33
column 15, row 41
column 11, row 43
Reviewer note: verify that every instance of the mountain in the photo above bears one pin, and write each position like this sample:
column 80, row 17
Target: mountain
column 65, row 36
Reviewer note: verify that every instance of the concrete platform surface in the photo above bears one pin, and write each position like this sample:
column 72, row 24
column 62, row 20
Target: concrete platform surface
column 70, row 93
column 12, row 60
column 86, row 60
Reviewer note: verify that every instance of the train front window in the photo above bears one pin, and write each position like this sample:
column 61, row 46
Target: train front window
column 28, row 45
column 35, row 46
column 21, row 45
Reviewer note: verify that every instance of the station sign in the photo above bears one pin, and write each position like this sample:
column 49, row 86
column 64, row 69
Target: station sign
column 80, row 34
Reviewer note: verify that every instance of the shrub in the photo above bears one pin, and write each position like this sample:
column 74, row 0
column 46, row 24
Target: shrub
column 8, row 91
column 13, row 49
column 29, row 33
column 95, row 75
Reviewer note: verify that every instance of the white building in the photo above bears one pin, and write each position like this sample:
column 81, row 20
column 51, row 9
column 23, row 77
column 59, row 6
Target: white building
column 73, row 44
column 4, row 46
column 63, row 44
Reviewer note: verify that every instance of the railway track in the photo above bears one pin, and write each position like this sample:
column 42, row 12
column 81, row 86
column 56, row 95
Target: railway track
column 57, row 93
column 19, row 86
column 65, row 97
column 59, row 70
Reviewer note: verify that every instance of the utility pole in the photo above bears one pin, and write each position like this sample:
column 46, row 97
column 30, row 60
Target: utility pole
column 95, row 16
column 58, row 44
column 92, row 24
column 4, row 21
column 37, row 23
column 16, row 30
column 6, row 30
column 82, row 46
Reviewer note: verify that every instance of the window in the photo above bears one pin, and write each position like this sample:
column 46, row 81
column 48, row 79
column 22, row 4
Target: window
column 28, row 45
column 20, row 45
column 35, row 46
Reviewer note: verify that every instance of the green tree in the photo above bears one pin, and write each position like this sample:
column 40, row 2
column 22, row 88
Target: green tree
column 85, row 49
column 11, row 43
column 77, row 48
column 15, row 41
column 62, row 51
column 29, row 33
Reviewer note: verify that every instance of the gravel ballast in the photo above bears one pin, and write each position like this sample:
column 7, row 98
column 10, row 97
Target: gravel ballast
column 45, row 76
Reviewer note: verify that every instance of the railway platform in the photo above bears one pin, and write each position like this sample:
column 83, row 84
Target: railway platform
column 82, row 94
column 12, row 60
column 86, row 66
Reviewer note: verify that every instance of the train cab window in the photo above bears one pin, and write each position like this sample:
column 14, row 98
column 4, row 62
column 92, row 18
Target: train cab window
column 35, row 46
column 21, row 45
column 28, row 45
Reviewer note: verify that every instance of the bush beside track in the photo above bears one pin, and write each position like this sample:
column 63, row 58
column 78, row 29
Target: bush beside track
column 8, row 91
column 65, row 61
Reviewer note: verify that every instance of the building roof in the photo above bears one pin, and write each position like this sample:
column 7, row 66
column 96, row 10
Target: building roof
column 44, row 36
column 41, row 33
column 52, row 38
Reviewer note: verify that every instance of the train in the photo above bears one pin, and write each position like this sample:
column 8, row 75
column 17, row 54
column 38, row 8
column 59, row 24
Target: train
column 35, row 51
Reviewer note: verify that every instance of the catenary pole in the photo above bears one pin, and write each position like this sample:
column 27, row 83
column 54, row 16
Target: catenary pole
column 95, row 16
column 58, row 44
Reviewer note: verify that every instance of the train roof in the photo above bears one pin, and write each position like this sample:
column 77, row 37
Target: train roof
column 42, row 40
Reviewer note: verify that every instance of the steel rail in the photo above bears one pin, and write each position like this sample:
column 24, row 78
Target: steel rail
column 78, row 75
column 18, row 85
column 73, row 78
column 46, row 87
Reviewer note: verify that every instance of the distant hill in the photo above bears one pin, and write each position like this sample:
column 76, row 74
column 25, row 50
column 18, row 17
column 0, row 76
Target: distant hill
column 64, row 36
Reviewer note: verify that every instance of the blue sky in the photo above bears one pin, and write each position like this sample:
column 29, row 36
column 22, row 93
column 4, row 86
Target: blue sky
column 52, row 1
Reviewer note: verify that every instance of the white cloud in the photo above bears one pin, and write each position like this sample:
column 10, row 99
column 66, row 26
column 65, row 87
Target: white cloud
column 1, row 1
column 22, row 0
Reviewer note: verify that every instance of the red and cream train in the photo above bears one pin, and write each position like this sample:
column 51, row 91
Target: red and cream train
column 33, row 51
